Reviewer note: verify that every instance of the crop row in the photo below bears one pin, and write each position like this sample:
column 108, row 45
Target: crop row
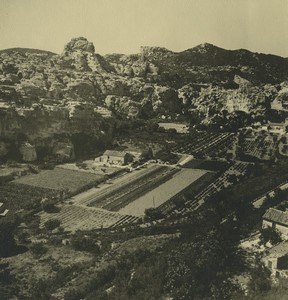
column 71, row 181
column 238, row 169
column 17, row 196
column 208, row 144
column 259, row 148
column 222, row 181
column 100, row 197
column 74, row 218
column 112, row 198
column 136, row 192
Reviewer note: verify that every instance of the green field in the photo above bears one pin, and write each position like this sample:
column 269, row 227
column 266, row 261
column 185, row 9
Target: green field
column 62, row 180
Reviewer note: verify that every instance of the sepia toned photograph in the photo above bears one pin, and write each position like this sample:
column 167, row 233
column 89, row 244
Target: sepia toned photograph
column 143, row 150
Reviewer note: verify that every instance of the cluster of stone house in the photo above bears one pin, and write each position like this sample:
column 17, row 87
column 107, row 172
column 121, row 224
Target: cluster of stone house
column 276, row 258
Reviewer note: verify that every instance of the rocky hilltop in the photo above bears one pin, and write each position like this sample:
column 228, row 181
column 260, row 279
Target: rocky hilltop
column 51, row 102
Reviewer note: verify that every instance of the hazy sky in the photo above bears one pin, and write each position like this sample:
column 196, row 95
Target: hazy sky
column 122, row 26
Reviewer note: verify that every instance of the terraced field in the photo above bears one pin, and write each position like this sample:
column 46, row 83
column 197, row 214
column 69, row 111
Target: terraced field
column 17, row 196
column 120, row 194
column 260, row 147
column 237, row 168
column 76, row 217
column 207, row 144
column 61, row 180
column 162, row 193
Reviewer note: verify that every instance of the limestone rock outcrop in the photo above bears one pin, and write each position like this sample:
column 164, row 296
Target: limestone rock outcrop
column 28, row 152
column 53, row 99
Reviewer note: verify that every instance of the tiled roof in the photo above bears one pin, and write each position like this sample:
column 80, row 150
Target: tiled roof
column 115, row 153
column 278, row 250
column 276, row 215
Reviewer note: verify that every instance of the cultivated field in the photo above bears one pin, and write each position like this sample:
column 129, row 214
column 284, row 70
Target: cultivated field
column 61, row 180
column 259, row 146
column 221, row 182
column 17, row 196
column 164, row 192
column 74, row 217
column 207, row 144
column 126, row 189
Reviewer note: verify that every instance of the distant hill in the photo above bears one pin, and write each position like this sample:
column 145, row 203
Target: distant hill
column 26, row 50
column 207, row 63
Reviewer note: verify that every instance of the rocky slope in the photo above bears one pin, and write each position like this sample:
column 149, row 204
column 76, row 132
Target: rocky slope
column 48, row 100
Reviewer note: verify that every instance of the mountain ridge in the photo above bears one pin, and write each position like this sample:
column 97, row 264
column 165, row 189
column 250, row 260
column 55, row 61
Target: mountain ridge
column 80, row 89
column 146, row 46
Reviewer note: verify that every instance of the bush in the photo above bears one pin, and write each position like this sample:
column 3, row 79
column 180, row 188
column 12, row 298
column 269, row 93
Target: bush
column 82, row 243
column 52, row 224
column 49, row 207
column 270, row 235
column 38, row 249
column 153, row 214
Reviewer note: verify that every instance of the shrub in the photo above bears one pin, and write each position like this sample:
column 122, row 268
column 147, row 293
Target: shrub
column 153, row 214
column 83, row 243
column 38, row 249
column 270, row 235
column 52, row 224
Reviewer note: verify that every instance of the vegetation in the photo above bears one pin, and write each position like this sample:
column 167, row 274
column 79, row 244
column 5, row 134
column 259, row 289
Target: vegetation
column 270, row 235
column 7, row 241
column 52, row 224
column 38, row 249
column 84, row 243
column 61, row 181
column 152, row 214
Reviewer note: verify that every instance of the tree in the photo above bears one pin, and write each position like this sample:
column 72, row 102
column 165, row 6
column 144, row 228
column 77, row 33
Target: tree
column 260, row 281
column 84, row 243
column 179, row 202
column 52, row 224
column 271, row 235
column 153, row 214
column 7, row 241
column 38, row 249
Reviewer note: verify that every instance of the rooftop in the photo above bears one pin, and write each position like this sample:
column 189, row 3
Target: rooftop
column 278, row 250
column 115, row 153
column 276, row 215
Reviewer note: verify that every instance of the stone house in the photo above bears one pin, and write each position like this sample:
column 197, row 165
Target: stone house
column 116, row 157
column 276, row 219
column 276, row 259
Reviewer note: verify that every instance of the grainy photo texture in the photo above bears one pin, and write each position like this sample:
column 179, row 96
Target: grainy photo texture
column 143, row 149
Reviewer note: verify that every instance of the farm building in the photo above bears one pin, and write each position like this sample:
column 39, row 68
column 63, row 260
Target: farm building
column 276, row 219
column 116, row 157
column 276, row 259
column 180, row 128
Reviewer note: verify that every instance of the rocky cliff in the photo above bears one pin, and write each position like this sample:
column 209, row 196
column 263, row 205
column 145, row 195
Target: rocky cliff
column 51, row 100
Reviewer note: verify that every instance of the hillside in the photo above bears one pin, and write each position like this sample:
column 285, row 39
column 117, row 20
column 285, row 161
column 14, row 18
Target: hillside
column 26, row 50
column 49, row 99
column 207, row 63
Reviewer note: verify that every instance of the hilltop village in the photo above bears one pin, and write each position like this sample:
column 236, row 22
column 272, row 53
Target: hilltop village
column 158, row 175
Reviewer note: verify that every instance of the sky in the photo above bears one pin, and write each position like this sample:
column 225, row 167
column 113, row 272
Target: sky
column 123, row 26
